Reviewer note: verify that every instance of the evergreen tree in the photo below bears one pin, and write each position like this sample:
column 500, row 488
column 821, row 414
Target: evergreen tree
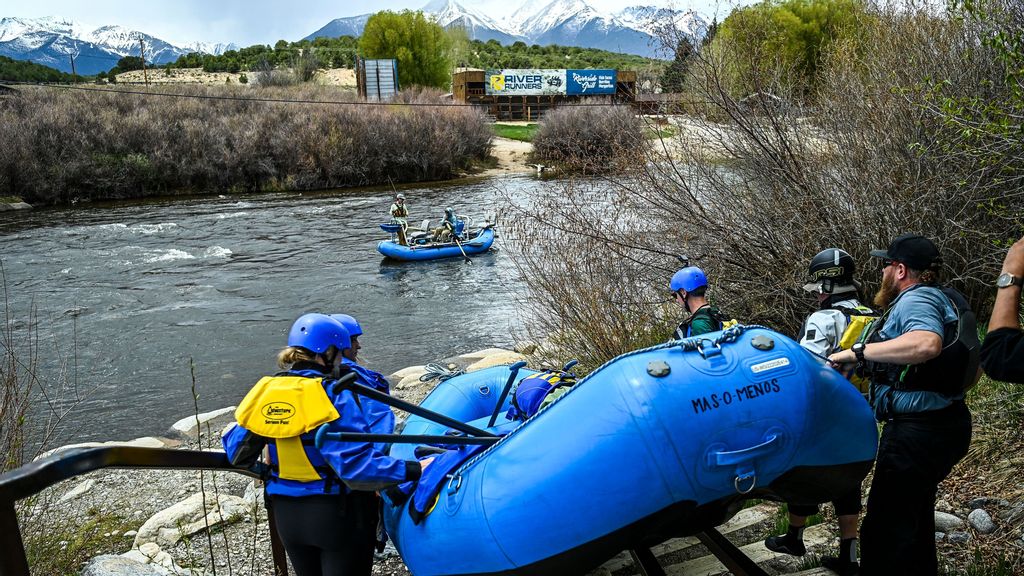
column 675, row 75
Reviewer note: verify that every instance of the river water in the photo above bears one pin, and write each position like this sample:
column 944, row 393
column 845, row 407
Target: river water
column 127, row 295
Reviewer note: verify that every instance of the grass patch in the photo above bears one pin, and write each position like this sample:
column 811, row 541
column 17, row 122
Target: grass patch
column 523, row 133
column 10, row 200
column 62, row 547
column 655, row 133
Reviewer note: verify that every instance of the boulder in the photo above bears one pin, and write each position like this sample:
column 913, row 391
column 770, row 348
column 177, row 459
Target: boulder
column 10, row 206
column 526, row 348
column 981, row 521
column 110, row 565
column 958, row 537
column 496, row 359
column 79, row 489
column 946, row 523
column 481, row 354
column 167, row 527
column 190, row 426
column 144, row 442
column 986, row 501
column 404, row 372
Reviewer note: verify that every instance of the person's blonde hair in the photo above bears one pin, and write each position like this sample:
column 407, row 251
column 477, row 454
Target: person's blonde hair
column 292, row 354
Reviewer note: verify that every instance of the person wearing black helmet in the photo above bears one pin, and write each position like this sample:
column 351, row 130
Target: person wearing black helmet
column 831, row 280
column 921, row 361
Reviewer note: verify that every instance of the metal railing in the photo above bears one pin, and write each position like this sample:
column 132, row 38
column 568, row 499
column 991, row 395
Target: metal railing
column 33, row 478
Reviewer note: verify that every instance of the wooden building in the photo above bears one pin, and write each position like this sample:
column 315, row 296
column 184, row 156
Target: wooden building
column 469, row 86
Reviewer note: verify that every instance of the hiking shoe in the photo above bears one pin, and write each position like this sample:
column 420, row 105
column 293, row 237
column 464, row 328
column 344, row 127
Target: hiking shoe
column 785, row 545
column 841, row 567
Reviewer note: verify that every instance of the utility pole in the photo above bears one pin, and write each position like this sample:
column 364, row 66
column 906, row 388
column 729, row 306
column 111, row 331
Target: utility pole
column 142, row 53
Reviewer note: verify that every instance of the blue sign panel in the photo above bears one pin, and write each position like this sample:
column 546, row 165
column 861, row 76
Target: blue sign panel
column 587, row 82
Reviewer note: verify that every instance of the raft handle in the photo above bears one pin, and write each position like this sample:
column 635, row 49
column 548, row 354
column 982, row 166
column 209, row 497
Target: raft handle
column 739, row 456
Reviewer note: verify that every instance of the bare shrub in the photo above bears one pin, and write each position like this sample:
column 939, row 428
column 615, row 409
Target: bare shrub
column 62, row 145
column 589, row 138
column 751, row 190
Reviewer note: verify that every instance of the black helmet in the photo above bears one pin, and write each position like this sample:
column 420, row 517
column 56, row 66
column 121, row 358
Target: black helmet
column 831, row 270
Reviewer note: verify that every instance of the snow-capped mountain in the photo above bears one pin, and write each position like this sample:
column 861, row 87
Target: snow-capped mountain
column 450, row 13
column 54, row 41
column 634, row 30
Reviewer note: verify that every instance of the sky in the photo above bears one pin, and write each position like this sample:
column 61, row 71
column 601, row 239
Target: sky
column 248, row 22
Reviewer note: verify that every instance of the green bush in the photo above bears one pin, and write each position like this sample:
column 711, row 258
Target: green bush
column 589, row 139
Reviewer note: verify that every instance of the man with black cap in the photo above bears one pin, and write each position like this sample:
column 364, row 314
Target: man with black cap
column 831, row 281
column 921, row 360
column 1002, row 354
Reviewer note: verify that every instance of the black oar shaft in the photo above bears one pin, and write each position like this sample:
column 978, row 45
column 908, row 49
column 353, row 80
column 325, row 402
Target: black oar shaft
column 414, row 409
column 410, row 438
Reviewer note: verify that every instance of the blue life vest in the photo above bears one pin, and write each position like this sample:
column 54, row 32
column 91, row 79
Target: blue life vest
column 531, row 392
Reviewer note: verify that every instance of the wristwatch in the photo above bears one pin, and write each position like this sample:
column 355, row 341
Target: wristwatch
column 858, row 351
column 1006, row 280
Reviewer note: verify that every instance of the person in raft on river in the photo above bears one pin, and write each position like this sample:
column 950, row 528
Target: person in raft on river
column 400, row 216
column 322, row 498
column 448, row 229
column 689, row 286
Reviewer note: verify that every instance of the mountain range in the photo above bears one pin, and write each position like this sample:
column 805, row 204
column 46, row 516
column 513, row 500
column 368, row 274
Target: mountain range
column 633, row 30
column 54, row 41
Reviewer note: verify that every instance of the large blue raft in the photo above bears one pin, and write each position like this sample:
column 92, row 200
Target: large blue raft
column 478, row 242
column 655, row 444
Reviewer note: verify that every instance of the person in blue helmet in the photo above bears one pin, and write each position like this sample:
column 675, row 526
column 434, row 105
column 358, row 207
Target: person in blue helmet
column 379, row 415
column 689, row 286
column 323, row 499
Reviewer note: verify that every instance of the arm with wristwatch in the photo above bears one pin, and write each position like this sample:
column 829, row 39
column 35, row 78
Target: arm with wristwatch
column 1002, row 353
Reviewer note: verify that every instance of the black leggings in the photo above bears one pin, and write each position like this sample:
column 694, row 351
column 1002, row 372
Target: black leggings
column 328, row 535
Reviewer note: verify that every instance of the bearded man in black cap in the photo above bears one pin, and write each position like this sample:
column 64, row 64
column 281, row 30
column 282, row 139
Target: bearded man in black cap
column 921, row 361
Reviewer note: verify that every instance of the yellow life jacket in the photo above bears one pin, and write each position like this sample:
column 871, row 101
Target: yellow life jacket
column 858, row 320
column 284, row 408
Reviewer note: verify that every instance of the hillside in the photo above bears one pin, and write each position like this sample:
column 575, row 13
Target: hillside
column 20, row 71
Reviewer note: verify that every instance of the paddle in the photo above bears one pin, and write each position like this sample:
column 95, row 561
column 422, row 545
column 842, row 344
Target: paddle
column 459, row 244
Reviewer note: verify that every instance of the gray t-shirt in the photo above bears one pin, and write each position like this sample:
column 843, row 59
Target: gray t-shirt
column 916, row 308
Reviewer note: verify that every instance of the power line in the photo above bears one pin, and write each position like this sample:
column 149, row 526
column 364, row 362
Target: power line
column 320, row 102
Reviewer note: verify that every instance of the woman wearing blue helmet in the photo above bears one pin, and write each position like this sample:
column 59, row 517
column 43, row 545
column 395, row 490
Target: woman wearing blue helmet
column 379, row 415
column 688, row 287
column 323, row 499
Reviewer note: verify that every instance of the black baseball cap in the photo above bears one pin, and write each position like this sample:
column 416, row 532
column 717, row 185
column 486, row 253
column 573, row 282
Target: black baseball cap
column 915, row 251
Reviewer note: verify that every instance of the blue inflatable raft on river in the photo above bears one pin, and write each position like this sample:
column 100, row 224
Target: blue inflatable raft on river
column 656, row 444
column 477, row 242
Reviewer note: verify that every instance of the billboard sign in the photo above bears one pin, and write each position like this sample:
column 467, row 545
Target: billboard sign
column 587, row 82
column 525, row 82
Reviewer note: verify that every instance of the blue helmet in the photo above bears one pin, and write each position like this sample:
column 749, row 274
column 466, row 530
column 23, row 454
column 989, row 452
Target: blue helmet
column 350, row 324
column 317, row 333
column 689, row 279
